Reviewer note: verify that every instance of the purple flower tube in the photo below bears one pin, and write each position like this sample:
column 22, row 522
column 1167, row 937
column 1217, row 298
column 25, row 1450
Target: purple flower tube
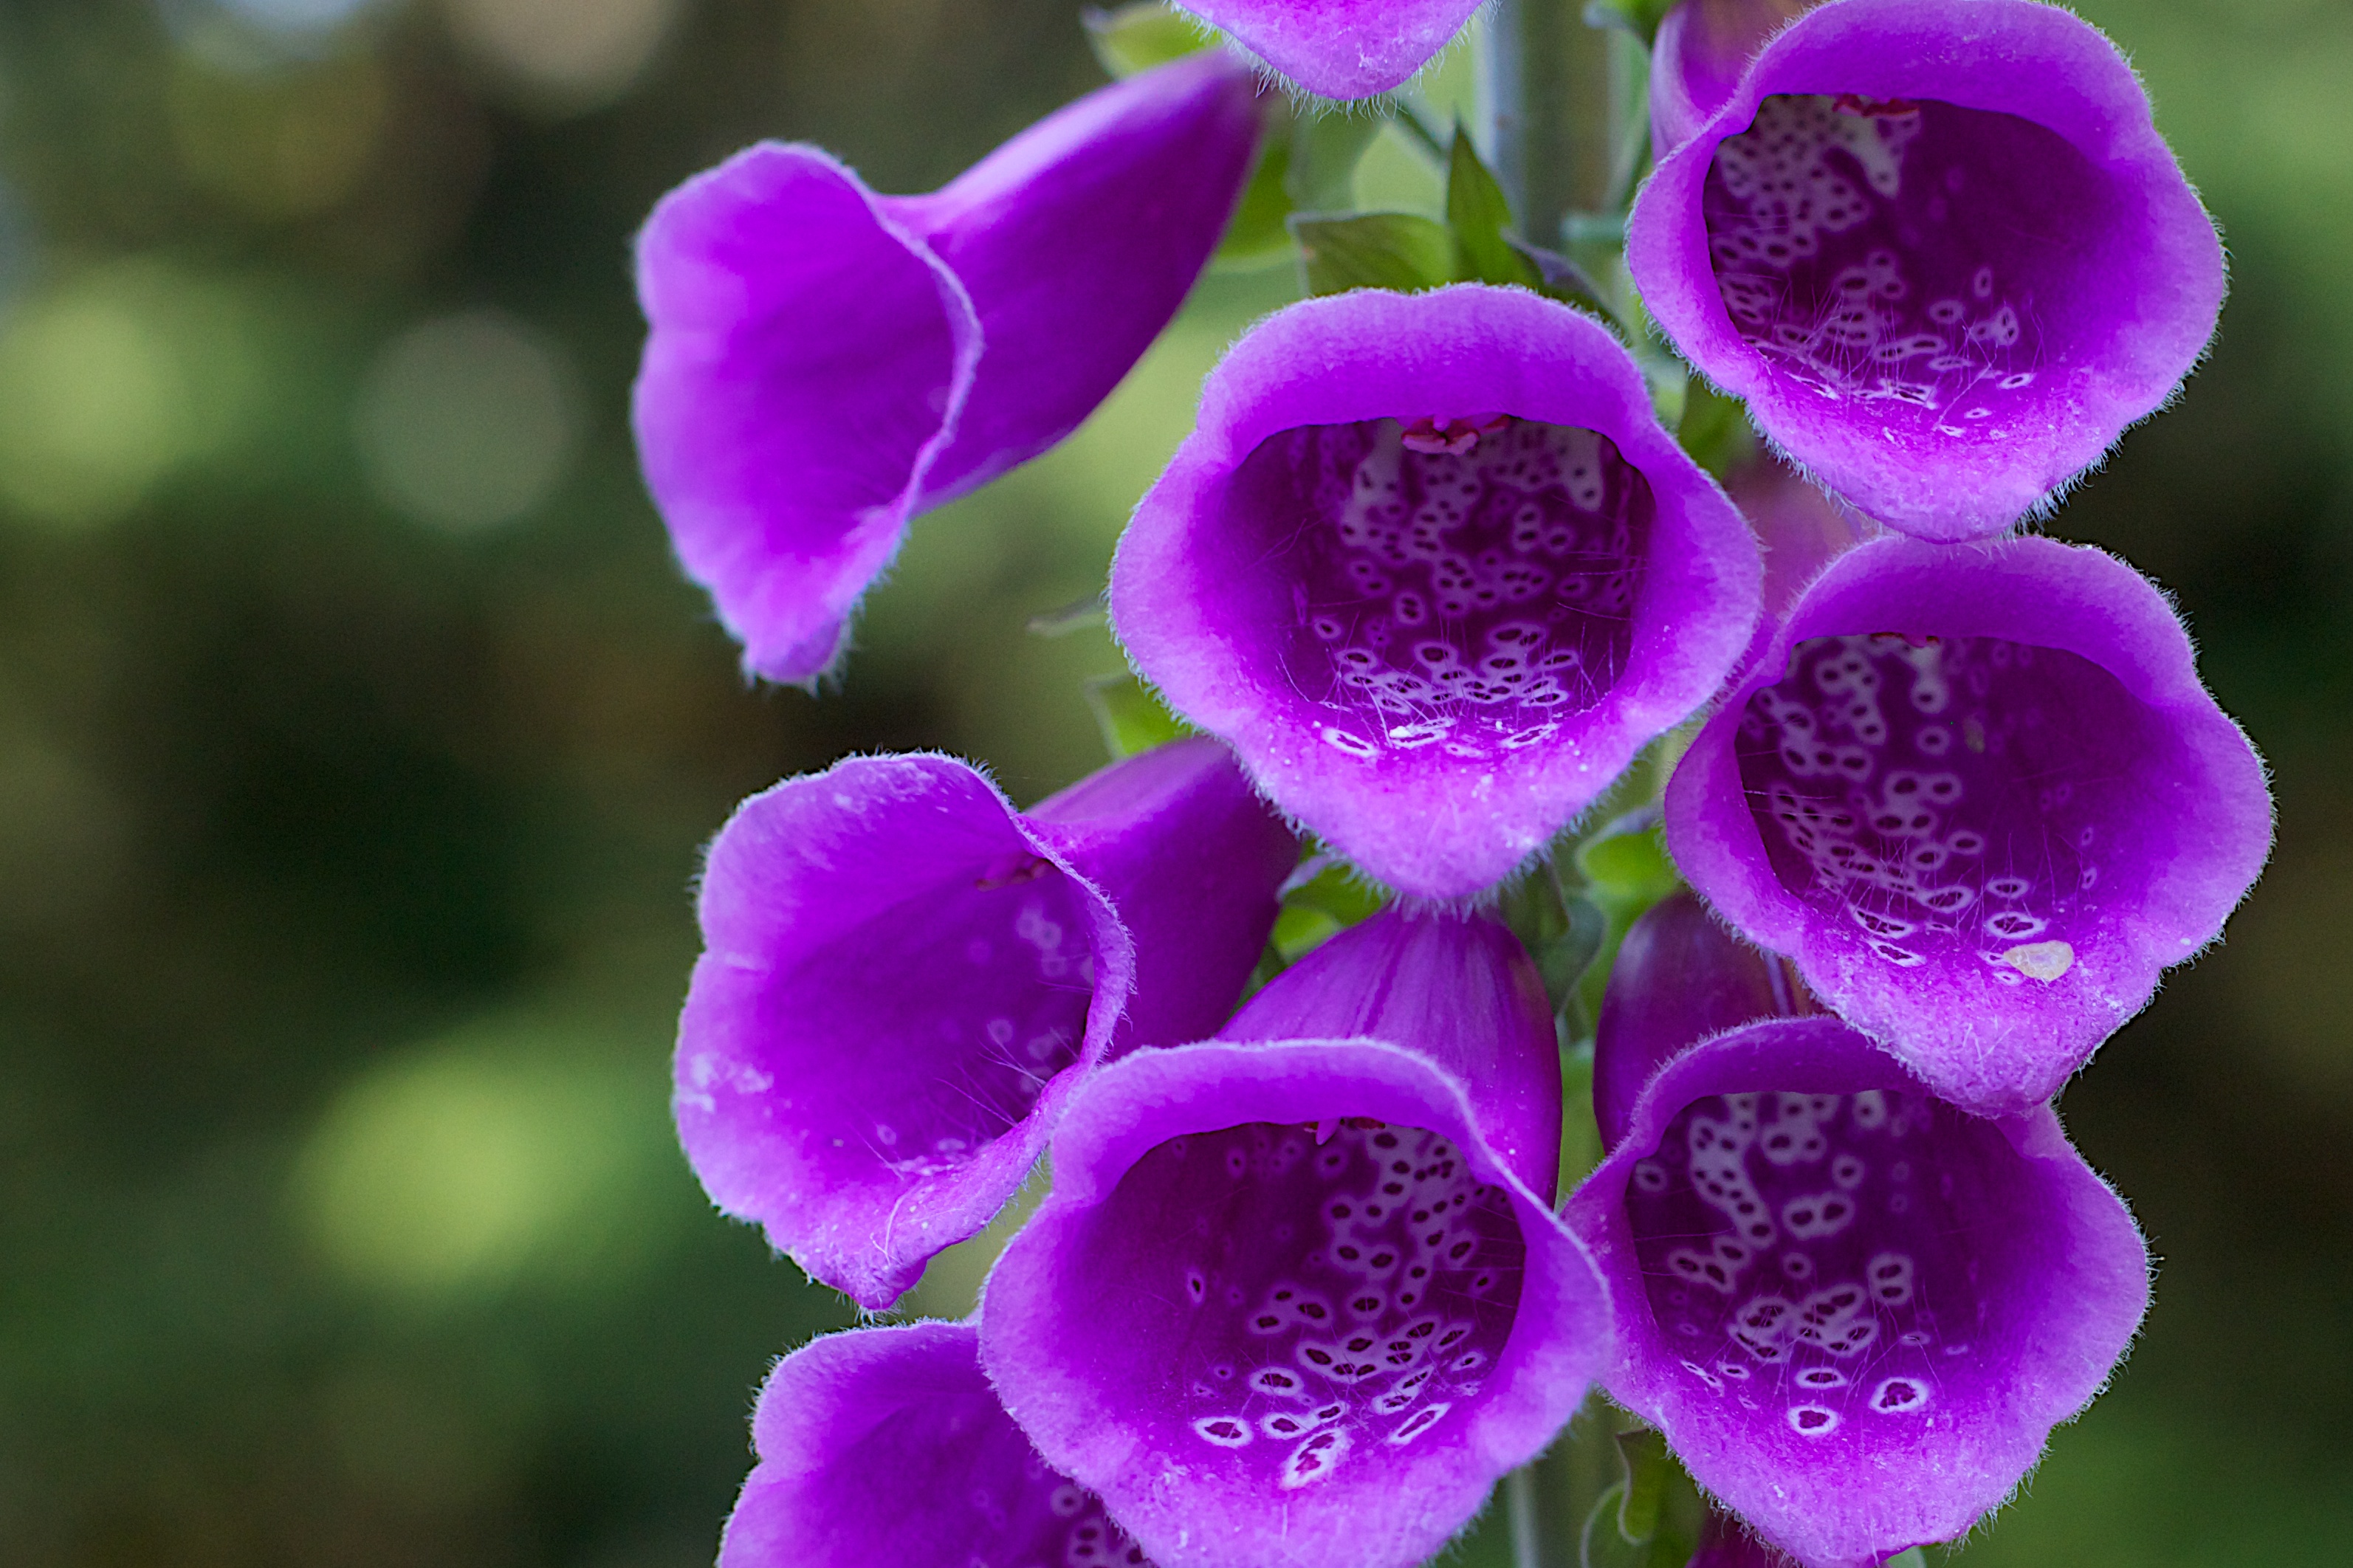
column 903, row 978
column 1340, row 48
column 886, row 1446
column 825, row 363
column 1940, row 248
column 1978, row 793
column 1430, row 565
column 1696, row 58
column 1854, row 1311
column 1289, row 1304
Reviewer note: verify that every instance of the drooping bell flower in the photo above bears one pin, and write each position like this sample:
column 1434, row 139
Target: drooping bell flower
column 886, row 1446
column 1431, row 566
column 903, row 978
column 1289, row 1304
column 1978, row 793
column 1696, row 58
column 1854, row 1311
column 1941, row 250
column 1340, row 48
column 826, row 362
column 1679, row 977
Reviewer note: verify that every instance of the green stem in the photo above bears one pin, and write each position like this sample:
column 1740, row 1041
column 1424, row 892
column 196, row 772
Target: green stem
column 1546, row 83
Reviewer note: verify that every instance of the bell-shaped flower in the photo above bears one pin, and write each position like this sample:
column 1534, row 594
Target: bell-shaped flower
column 1340, row 48
column 886, row 1446
column 1431, row 566
column 1979, row 794
column 1854, row 1311
column 903, row 978
column 1940, row 248
column 1696, row 58
column 825, row 363
column 1289, row 1304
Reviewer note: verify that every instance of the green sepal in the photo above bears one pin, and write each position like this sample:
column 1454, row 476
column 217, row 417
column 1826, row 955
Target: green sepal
column 1131, row 715
column 1480, row 217
column 1132, row 39
column 1257, row 234
column 1714, row 429
column 1404, row 251
column 1650, row 1520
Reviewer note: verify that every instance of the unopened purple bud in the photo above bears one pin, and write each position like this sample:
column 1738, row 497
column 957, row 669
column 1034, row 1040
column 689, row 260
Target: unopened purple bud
column 1941, row 250
column 1340, row 48
column 903, row 978
column 1457, row 988
column 1431, row 564
column 825, row 363
column 1287, row 1305
column 1696, row 58
column 1680, row 976
column 886, row 1446
column 1978, row 793
column 1854, row 1311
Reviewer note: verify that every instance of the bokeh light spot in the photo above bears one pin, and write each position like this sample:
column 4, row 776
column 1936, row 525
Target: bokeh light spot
column 574, row 54
column 281, row 144
column 469, row 421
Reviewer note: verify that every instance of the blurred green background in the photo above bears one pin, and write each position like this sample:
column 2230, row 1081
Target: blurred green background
column 357, row 738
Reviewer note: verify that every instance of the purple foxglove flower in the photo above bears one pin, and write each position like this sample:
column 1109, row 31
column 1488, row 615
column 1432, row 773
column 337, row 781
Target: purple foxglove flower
column 825, row 363
column 1696, row 58
column 886, row 1446
column 1431, row 564
column 1854, row 1311
column 1979, row 794
column 1288, row 1304
column 1726, row 1542
column 1940, row 248
column 1340, row 48
column 903, row 978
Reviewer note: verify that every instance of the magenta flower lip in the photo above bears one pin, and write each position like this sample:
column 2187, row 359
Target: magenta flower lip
column 1430, row 565
column 1286, row 1307
column 1940, row 248
column 903, row 978
column 886, row 1446
column 1340, row 48
column 1854, row 1311
column 1978, row 794
column 825, row 363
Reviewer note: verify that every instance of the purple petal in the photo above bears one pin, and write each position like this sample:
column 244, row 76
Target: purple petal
column 1459, row 989
column 1226, row 1322
column 886, row 1446
column 1726, row 1542
column 1515, row 580
column 1340, row 48
column 903, row 980
column 1978, row 793
column 1696, row 58
column 825, row 363
column 1940, row 248
column 1854, row 1311
column 1679, row 977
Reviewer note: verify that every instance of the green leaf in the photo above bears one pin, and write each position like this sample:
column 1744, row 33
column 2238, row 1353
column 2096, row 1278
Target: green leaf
column 1562, row 280
column 1650, row 1520
column 1626, row 871
column 1325, row 147
column 1133, row 38
column 1257, row 235
column 1131, row 715
column 1375, row 250
column 1714, row 429
column 1482, row 218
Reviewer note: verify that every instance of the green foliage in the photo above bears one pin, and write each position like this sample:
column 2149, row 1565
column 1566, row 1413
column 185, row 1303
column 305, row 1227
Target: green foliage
column 1714, row 429
column 1650, row 1520
column 1131, row 715
column 1639, row 17
column 1404, row 251
column 1325, row 147
column 1477, row 212
column 1325, row 897
column 1133, row 38
column 1626, row 871
column 1257, row 234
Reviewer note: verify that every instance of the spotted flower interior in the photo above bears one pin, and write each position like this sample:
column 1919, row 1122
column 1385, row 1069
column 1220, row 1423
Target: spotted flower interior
column 1459, row 584
column 1950, row 798
column 1909, row 255
column 1301, row 1309
column 1832, row 1264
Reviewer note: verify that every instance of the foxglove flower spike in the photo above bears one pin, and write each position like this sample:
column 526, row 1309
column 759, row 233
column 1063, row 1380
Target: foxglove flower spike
column 1432, row 567
column 886, row 1446
column 903, row 978
column 1854, row 1311
column 1941, row 250
column 1978, row 793
column 1340, row 48
column 825, row 363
